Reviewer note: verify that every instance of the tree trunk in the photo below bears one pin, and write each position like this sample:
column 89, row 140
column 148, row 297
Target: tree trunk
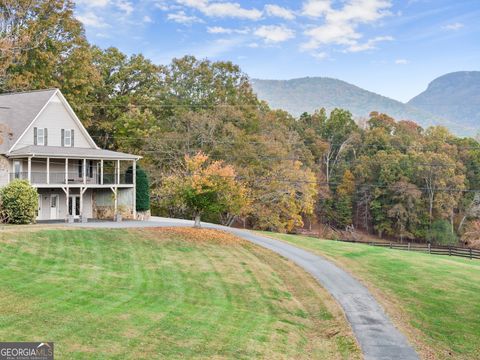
column 197, row 221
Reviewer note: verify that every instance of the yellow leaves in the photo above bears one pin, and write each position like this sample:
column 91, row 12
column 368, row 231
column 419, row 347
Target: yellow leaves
column 206, row 186
column 195, row 235
column 347, row 186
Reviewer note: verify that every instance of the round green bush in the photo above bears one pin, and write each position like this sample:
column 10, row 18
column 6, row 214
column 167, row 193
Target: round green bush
column 19, row 202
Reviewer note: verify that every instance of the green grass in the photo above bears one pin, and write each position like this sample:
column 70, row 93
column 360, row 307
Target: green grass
column 437, row 298
column 117, row 294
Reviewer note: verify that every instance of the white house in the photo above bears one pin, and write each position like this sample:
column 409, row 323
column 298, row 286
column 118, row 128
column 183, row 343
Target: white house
column 44, row 142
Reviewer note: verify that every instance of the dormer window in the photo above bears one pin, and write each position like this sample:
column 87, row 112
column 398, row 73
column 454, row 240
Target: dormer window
column 40, row 136
column 67, row 137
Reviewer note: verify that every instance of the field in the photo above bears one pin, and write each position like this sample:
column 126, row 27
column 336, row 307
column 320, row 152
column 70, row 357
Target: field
column 170, row 293
column 434, row 299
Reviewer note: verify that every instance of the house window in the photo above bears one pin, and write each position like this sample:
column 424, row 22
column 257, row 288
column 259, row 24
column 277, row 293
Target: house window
column 17, row 169
column 40, row 136
column 67, row 137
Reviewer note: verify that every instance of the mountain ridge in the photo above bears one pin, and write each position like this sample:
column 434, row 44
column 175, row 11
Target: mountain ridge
column 307, row 94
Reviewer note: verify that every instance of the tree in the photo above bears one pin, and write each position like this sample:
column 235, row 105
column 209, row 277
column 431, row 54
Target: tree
column 441, row 232
column 283, row 196
column 344, row 201
column 405, row 211
column 206, row 188
column 439, row 174
column 337, row 132
column 57, row 54
column 142, row 190
column 19, row 202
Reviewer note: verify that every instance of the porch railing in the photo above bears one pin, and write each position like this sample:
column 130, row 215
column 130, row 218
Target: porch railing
column 58, row 178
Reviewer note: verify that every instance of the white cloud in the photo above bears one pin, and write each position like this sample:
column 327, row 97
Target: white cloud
column 222, row 30
column 316, row 8
column 274, row 34
column 93, row 3
column 340, row 25
column 402, row 61
column 454, row 26
column 368, row 45
column 182, row 18
column 222, row 9
column 125, row 6
column 320, row 55
column 92, row 20
column 278, row 11
column 147, row 19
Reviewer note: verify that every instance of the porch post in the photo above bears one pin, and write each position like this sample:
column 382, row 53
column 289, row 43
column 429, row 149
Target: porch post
column 29, row 170
column 67, row 194
column 134, row 174
column 101, row 172
column 84, row 171
column 115, row 201
column 48, row 170
column 66, row 171
column 82, row 191
column 118, row 171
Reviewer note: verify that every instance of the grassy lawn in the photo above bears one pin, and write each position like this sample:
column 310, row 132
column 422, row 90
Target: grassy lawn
column 172, row 293
column 435, row 299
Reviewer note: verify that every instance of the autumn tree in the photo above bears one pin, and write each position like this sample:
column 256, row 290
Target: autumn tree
column 55, row 53
column 206, row 188
column 283, row 197
column 344, row 199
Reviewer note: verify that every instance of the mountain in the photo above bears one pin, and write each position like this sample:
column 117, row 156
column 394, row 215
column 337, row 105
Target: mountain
column 308, row 94
column 455, row 96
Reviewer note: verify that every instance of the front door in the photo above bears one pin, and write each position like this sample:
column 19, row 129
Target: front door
column 53, row 206
column 74, row 205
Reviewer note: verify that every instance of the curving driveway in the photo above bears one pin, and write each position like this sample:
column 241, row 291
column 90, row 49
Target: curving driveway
column 376, row 334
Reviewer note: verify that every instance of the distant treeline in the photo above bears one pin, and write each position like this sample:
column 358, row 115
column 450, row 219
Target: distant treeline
column 386, row 177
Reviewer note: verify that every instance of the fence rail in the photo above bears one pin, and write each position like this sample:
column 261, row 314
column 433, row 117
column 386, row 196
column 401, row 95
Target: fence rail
column 468, row 253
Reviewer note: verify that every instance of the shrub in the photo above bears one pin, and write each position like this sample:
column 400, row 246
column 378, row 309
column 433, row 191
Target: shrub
column 441, row 233
column 142, row 189
column 19, row 202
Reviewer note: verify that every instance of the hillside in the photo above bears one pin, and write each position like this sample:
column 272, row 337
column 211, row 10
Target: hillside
column 455, row 96
column 308, row 94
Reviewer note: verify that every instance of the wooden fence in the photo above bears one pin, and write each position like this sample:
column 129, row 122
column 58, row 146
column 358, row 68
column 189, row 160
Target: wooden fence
column 427, row 248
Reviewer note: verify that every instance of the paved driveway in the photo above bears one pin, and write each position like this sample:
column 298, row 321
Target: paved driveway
column 377, row 336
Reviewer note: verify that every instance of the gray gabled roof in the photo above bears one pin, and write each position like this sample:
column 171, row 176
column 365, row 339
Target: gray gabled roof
column 71, row 152
column 17, row 111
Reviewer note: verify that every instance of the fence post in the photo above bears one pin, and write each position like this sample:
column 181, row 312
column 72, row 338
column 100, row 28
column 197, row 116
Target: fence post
column 471, row 254
column 449, row 250
column 408, row 246
column 390, row 245
column 429, row 248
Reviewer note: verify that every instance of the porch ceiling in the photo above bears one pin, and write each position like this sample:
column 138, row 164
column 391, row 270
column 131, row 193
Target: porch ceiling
column 70, row 152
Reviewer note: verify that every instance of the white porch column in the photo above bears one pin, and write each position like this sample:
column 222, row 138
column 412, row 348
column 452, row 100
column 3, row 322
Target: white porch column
column 84, row 171
column 115, row 199
column 48, row 170
column 66, row 171
column 134, row 174
column 67, row 194
column 82, row 215
column 101, row 172
column 118, row 172
column 29, row 170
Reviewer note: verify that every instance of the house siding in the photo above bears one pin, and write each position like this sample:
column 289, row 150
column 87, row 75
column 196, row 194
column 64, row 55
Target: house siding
column 55, row 117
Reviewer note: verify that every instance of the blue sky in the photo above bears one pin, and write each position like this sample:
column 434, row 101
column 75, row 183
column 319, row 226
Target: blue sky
column 392, row 47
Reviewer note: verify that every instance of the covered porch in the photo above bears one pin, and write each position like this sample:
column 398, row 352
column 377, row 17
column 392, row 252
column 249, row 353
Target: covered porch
column 69, row 179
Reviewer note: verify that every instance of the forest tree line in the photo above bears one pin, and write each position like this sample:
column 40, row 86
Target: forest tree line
column 386, row 177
